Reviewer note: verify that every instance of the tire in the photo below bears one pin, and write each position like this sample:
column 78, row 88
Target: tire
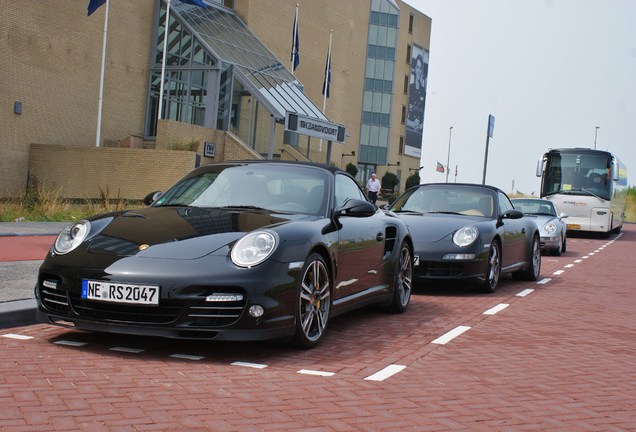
column 564, row 245
column 313, row 303
column 534, row 268
column 559, row 248
column 493, row 271
column 403, row 280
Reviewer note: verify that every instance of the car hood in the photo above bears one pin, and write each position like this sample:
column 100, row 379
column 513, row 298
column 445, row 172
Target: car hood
column 432, row 227
column 177, row 232
column 540, row 220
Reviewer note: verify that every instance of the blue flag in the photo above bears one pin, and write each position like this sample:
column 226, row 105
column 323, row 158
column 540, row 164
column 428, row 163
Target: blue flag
column 295, row 56
column 93, row 5
column 326, row 85
column 195, row 2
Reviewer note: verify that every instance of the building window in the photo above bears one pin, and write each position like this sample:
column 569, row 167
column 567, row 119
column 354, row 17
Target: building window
column 408, row 54
column 401, row 149
column 378, row 83
column 403, row 114
column 406, row 84
column 410, row 23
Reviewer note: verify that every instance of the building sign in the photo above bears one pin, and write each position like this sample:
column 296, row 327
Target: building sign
column 314, row 127
column 417, row 101
column 209, row 149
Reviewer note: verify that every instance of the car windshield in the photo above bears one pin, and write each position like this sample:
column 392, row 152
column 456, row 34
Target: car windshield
column 470, row 201
column 536, row 207
column 274, row 187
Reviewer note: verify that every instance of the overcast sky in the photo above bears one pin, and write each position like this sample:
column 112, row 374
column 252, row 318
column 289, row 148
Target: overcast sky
column 549, row 71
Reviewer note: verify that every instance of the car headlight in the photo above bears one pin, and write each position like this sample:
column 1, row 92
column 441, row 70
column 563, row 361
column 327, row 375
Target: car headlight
column 549, row 227
column 253, row 249
column 465, row 236
column 71, row 237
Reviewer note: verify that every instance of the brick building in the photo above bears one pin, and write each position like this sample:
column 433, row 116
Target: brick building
column 228, row 82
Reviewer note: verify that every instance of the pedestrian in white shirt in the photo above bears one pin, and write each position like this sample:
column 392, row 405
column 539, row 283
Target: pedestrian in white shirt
column 373, row 187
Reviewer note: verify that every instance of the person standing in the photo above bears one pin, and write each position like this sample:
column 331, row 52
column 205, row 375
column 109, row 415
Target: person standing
column 373, row 187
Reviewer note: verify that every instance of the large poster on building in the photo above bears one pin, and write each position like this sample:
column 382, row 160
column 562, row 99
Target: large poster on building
column 417, row 101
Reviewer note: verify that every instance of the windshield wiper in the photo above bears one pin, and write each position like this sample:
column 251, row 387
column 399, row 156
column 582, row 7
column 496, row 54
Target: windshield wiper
column 407, row 211
column 445, row 212
column 593, row 194
column 248, row 207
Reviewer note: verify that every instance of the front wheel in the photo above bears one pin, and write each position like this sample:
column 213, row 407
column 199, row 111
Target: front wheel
column 403, row 281
column 493, row 271
column 313, row 303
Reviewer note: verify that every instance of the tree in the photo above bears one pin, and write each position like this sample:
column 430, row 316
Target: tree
column 352, row 169
column 413, row 180
column 390, row 181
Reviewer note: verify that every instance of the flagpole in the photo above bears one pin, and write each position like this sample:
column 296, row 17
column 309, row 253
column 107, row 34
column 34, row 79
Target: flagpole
column 98, row 138
column 163, row 61
column 295, row 36
column 327, row 80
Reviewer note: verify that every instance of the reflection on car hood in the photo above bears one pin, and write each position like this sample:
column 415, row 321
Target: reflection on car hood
column 179, row 232
column 430, row 227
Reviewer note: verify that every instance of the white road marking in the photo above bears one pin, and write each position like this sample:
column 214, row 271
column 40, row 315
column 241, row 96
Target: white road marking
column 127, row 350
column 385, row 373
column 544, row 281
column 249, row 365
column 70, row 343
column 314, row 372
column 525, row 292
column 186, row 356
column 568, row 265
column 17, row 336
column 498, row 308
column 585, row 257
column 558, row 272
column 444, row 339
column 578, row 261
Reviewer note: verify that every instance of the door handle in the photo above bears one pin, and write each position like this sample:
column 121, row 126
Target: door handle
column 379, row 236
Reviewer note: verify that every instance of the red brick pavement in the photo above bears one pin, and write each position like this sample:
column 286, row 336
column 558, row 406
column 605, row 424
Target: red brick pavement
column 25, row 248
column 558, row 359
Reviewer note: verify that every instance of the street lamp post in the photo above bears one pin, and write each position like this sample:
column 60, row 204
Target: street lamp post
column 450, row 133
column 595, row 135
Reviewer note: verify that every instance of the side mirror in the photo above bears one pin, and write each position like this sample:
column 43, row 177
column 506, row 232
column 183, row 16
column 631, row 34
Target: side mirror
column 512, row 214
column 151, row 197
column 356, row 208
column 563, row 215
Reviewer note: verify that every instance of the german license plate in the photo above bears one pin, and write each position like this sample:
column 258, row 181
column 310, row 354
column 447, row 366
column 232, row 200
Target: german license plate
column 116, row 292
column 573, row 226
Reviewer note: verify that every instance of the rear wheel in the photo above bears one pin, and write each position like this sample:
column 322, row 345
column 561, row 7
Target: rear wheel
column 313, row 303
column 564, row 245
column 403, row 281
column 531, row 273
column 494, row 269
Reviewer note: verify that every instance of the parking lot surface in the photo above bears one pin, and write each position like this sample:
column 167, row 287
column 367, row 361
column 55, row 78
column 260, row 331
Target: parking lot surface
column 556, row 355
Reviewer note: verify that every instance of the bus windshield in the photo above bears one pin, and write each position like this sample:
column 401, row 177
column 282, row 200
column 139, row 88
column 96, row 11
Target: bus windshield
column 578, row 174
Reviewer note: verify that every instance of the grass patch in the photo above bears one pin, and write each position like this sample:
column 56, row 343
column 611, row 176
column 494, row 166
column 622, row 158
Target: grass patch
column 47, row 206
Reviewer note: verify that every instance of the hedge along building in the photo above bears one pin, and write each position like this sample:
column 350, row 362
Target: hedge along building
column 224, row 84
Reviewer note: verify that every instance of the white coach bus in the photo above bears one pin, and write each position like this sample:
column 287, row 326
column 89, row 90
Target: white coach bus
column 589, row 185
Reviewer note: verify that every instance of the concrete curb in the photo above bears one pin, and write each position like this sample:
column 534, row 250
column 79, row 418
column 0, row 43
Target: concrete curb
column 17, row 313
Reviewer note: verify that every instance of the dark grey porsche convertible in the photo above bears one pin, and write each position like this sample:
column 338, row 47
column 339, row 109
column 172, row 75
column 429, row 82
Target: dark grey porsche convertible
column 468, row 232
column 234, row 251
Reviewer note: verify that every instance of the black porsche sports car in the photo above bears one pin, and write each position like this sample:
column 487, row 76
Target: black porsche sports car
column 468, row 232
column 249, row 250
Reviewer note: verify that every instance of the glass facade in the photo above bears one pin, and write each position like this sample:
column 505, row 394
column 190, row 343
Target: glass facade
column 187, row 73
column 378, row 84
column 219, row 75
